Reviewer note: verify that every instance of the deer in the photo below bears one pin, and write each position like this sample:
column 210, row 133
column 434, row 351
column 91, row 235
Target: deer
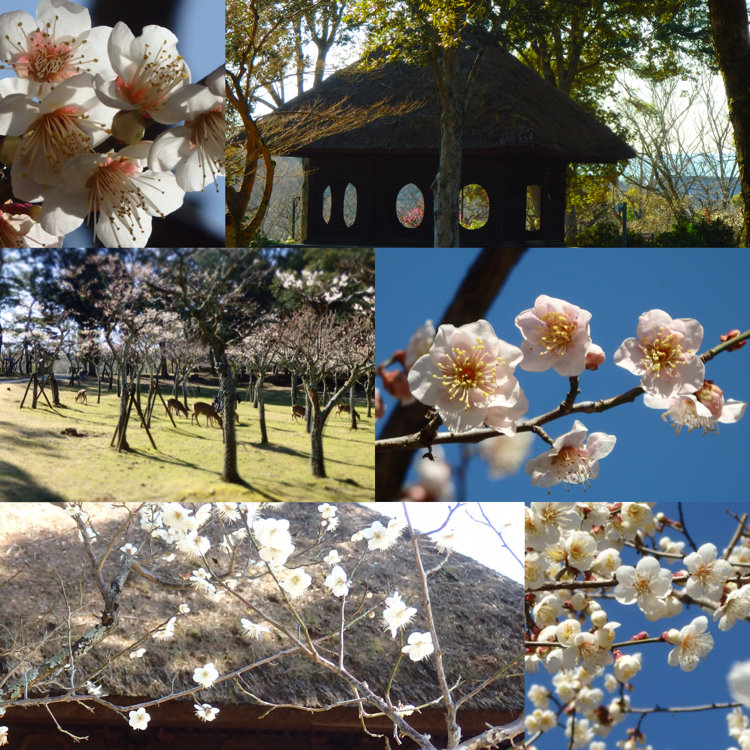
column 298, row 411
column 81, row 396
column 344, row 409
column 200, row 407
column 175, row 405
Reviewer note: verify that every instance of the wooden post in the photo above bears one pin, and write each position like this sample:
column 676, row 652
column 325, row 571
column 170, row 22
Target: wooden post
column 143, row 420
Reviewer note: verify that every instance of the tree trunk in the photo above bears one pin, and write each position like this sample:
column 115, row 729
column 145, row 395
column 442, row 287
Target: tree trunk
column 446, row 186
column 261, row 410
column 55, row 390
column 226, row 379
column 352, row 410
column 729, row 29
column 317, row 463
column 122, row 424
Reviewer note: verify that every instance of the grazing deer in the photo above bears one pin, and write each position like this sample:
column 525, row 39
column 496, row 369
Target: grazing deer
column 200, row 407
column 344, row 409
column 81, row 396
column 175, row 405
column 298, row 411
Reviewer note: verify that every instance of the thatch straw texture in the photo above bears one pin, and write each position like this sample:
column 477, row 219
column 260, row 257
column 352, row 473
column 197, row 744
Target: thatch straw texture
column 511, row 110
column 479, row 614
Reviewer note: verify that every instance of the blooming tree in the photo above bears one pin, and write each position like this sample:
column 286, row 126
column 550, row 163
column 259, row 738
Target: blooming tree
column 613, row 589
column 467, row 375
column 295, row 583
column 75, row 120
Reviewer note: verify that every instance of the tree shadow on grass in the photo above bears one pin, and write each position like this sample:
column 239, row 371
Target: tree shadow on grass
column 27, row 437
column 274, row 448
column 18, row 486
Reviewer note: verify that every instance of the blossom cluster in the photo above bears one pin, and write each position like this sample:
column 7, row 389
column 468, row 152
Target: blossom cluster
column 468, row 375
column 576, row 566
column 190, row 539
column 74, row 120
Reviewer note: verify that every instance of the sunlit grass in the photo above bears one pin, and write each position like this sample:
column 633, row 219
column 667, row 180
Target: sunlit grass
column 38, row 463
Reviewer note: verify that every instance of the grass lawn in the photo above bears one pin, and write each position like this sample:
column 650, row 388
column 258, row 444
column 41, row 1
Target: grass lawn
column 38, row 463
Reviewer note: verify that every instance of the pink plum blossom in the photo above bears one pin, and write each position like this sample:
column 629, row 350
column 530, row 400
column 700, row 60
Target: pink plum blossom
column 701, row 410
column 148, row 70
column 117, row 187
column 556, row 335
column 468, row 374
column 664, row 354
column 56, row 46
column 572, row 459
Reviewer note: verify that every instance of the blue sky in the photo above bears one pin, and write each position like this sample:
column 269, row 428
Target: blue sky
column 473, row 537
column 659, row 684
column 649, row 462
column 200, row 29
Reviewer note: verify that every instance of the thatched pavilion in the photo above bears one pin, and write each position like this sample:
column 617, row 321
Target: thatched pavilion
column 363, row 183
column 481, row 612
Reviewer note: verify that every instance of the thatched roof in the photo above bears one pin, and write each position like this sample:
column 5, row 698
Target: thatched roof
column 479, row 612
column 511, row 110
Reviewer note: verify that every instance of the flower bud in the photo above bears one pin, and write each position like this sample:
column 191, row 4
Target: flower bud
column 128, row 127
column 595, row 357
column 712, row 397
column 726, row 336
column 599, row 618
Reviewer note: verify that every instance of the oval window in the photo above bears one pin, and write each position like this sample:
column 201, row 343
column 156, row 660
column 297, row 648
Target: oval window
column 350, row 205
column 410, row 206
column 475, row 207
column 327, row 204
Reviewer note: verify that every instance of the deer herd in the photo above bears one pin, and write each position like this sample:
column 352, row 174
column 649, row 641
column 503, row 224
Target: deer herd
column 201, row 408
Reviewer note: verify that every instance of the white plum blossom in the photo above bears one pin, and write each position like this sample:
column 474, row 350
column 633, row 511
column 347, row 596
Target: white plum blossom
column 692, row 643
column 195, row 150
column 468, row 371
column 254, row 630
column 116, row 187
column 138, row 653
column 337, row 582
column 296, row 582
column 332, row 557
column 647, row 584
column 56, row 46
column 572, row 459
column 419, row 646
column 69, row 121
column 139, row 719
column 707, row 574
column 627, row 666
column 274, row 540
column 19, row 227
column 166, row 632
column 396, row 614
column 736, row 607
column 540, row 720
column 419, row 343
column 664, row 354
column 555, row 334
column 581, row 548
column 205, row 711
column 148, row 70
column 206, row 675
